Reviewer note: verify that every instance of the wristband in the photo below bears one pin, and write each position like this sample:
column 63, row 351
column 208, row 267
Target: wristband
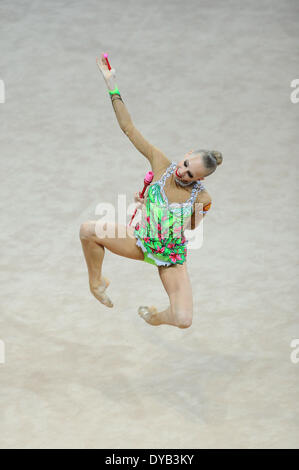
column 115, row 91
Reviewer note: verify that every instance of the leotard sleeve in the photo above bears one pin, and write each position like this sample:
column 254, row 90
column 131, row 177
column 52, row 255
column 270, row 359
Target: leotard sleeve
column 154, row 155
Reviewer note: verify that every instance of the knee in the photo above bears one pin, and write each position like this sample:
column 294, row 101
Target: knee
column 86, row 230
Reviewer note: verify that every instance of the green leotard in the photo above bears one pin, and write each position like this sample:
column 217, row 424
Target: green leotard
column 160, row 234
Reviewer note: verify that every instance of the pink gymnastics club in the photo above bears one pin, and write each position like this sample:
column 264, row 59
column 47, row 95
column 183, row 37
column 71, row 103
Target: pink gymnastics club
column 106, row 58
column 147, row 180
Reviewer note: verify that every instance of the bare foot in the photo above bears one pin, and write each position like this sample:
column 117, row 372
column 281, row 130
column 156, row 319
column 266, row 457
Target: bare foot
column 149, row 314
column 99, row 292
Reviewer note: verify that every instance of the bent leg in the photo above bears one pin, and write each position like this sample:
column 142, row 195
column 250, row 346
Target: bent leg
column 176, row 282
column 94, row 240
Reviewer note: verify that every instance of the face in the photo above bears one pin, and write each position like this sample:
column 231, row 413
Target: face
column 190, row 169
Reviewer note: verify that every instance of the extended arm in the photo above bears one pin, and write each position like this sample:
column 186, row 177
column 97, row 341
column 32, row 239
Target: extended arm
column 154, row 155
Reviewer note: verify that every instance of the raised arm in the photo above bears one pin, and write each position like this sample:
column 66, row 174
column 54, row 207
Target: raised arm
column 154, row 155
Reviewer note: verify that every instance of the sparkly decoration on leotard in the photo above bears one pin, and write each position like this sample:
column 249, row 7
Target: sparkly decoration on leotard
column 160, row 234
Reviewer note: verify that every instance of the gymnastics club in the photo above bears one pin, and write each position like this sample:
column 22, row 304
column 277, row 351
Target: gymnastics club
column 106, row 58
column 147, row 180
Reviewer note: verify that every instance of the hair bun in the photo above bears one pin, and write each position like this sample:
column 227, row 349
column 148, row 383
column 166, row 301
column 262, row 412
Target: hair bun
column 218, row 156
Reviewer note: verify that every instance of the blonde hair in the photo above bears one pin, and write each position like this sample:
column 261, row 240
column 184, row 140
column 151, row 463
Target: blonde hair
column 211, row 159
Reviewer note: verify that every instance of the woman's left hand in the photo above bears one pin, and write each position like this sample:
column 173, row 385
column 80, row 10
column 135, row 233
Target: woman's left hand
column 102, row 64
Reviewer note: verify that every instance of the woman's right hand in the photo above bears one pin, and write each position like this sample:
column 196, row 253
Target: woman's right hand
column 102, row 64
column 139, row 200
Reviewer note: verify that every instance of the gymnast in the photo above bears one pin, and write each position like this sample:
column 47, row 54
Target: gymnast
column 169, row 206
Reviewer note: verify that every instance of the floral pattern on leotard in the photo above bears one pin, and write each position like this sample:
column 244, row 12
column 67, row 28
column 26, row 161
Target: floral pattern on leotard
column 161, row 229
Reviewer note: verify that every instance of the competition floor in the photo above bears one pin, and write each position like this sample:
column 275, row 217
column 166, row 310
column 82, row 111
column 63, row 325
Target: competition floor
column 214, row 75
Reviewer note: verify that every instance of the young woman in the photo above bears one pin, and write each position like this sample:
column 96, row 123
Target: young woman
column 169, row 206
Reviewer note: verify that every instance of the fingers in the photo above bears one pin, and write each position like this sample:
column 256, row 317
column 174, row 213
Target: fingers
column 139, row 202
column 101, row 61
column 138, row 198
column 99, row 64
column 103, row 67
